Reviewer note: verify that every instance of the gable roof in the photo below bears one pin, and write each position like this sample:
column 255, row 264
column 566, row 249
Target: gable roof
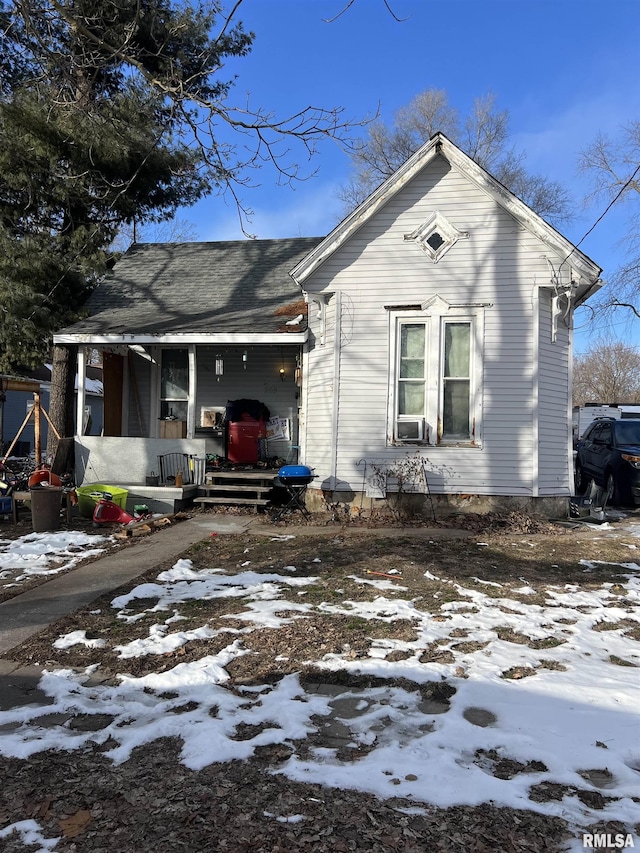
column 583, row 268
column 198, row 292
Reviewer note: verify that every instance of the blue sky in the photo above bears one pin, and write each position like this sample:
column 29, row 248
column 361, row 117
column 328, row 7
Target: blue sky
column 565, row 69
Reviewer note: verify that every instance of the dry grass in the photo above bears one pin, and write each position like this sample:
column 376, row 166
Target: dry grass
column 152, row 802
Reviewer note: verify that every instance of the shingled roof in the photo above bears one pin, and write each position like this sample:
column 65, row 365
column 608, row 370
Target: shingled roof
column 231, row 287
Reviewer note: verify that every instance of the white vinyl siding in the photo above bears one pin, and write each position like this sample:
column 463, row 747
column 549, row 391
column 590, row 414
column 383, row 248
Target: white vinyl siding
column 554, row 432
column 318, row 388
column 499, row 267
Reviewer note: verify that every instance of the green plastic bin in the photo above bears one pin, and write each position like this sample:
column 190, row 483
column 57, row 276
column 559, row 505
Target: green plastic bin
column 89, row 495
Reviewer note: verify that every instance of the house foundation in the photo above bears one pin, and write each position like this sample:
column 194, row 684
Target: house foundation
column 422, row 505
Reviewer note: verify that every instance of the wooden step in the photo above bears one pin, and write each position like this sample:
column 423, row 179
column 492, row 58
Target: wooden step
column 218, row 487
column 243, row 476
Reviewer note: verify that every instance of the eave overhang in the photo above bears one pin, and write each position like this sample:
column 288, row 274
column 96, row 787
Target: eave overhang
column 583, row 293
column 213, row 339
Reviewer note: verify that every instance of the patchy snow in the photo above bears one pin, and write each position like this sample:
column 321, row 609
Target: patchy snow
column 75, row 638
column 46, row 554
column 536, row 683
column 295, row 321
column 30, row 835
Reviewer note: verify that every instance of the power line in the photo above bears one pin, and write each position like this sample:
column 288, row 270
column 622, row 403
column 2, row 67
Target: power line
column 604, row 213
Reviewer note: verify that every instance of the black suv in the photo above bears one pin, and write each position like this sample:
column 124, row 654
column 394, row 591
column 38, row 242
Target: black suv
column 609, row 454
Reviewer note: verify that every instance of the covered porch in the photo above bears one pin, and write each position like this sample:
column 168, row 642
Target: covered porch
column 194, row 338
column 176, row 413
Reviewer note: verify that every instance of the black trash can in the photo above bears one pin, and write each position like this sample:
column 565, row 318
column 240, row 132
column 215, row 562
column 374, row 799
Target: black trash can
column 46, row 503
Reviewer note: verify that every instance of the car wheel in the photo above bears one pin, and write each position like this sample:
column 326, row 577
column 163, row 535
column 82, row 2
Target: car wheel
column 613, row 496
column 579, row 479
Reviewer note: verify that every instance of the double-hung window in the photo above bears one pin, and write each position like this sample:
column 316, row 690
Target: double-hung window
column 411, row 373
column 412, row 370
column 456, row 381
column 435, row 387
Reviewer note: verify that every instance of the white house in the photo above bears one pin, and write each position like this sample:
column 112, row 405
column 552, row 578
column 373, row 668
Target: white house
column 430, row 329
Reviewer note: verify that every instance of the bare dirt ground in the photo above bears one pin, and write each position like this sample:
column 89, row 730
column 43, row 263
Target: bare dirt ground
column 152, row 802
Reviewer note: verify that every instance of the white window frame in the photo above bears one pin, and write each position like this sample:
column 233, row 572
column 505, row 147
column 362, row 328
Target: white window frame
column 435, row 316
column 447, row 232
column 398, row 418
column 158, row 399
column 455, row 439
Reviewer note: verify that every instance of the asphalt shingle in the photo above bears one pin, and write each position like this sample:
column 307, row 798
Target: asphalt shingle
column 230, row 286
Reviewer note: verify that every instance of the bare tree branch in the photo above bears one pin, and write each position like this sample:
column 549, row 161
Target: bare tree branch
column 614, row 169
column 197, row 95
column 608, row 372
column 483, row 137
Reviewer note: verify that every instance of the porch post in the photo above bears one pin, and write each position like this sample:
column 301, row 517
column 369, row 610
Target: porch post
column 191, row 404
column 80, row 395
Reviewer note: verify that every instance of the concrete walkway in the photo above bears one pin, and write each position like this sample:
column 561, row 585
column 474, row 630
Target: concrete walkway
column 32, row 611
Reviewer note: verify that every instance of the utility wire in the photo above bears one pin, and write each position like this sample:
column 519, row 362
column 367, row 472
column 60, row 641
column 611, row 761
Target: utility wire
column 604, row 213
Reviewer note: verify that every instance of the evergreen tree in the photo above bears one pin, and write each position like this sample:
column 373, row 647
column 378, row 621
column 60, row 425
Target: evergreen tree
column 113, row 112
column 67, row 183
column 87, row 145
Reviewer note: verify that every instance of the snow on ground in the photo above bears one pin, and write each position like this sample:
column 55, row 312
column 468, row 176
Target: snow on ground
column 46, row 554
column 573, row 721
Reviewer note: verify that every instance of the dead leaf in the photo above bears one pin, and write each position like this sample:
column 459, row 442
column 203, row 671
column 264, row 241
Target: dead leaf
column 44, row 808
column 76, row 824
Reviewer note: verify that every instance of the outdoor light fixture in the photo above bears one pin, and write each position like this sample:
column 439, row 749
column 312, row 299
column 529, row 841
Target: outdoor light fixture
column 282, row 371
column 244, row 359
column 219, row 367
column 282, row 374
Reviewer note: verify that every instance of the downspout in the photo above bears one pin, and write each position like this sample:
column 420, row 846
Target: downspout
column 337, row 335
column 535, row 390
column 304, row 403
